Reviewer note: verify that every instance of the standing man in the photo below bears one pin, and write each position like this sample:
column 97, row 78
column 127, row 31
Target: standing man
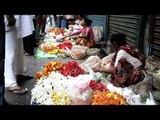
column 14, row 58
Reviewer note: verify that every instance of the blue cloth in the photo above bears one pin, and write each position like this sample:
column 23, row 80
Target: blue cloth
column 63, row 24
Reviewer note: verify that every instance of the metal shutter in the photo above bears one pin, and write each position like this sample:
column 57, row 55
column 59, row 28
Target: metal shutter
column 156, row 37
column 127, row 24
column 99, row 20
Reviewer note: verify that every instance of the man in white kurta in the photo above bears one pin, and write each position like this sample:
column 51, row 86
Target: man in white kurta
column 14, row 51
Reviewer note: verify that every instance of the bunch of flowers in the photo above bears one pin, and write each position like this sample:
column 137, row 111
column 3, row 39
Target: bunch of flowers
column 48, row 48
column 61, row 98
column 97, row 86
column 64, row 45
column 107, row 98
column 72, row 69
column 49, row 67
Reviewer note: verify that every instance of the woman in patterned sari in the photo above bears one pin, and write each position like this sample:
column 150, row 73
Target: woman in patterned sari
column 126, row 64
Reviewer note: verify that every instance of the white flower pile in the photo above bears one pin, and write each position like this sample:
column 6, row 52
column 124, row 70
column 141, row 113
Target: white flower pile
column 74, row 87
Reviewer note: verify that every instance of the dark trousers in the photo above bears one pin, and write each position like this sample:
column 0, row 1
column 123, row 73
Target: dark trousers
column 28, row 43
column 2, row 57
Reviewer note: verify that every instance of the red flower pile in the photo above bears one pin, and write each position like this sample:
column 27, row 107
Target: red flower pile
column 72, row 69
column 64, row 45
column 97, row 86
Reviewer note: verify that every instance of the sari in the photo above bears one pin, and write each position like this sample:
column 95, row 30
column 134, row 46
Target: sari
column 126, row 74
column 89, row 41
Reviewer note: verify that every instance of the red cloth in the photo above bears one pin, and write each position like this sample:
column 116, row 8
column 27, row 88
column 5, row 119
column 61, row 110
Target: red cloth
column 126, row 74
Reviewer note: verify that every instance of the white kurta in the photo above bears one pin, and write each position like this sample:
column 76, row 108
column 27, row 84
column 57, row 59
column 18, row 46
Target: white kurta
column 14, row 48
column 24, row 25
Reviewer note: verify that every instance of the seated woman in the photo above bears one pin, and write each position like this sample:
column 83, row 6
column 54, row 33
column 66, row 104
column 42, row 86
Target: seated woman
column 126, row 64
column 85, row 35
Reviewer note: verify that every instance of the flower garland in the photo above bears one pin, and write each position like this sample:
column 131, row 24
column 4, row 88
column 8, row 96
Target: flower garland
column 49, row 67
column 97, row 86
column 61, row 98
column 107, row 98
column 72, row 69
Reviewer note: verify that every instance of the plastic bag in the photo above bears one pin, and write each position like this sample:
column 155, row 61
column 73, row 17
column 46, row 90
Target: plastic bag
column 105, row 80
column 156, row 80
column 78, row 52
column 80, row 92
column 95, row 75
column 83, row 98
column 92, row 61
column 109, row 48
column 156, row 95
column 98, row 33
column 92, row 51
column 134, row 100
column 151, row 65
column 96, row 62
column 150, row 101
column 143, row 88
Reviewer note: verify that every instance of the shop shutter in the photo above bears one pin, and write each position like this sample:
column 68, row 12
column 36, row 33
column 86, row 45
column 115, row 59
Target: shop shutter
column 99, row 20
column 156, row 37
column 127, row 24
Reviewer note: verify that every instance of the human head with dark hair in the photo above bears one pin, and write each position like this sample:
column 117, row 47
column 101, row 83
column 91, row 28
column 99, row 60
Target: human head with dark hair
column 118, row 39
column 86, row 22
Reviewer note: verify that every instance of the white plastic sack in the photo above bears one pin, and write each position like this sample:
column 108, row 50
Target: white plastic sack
column 92, row 61
column 98, row 33
column 109, row 48
column 83, row 98
column 95, row 75
column 156, row 80
column 92, row 51
column 80, row 91
column 150, row 101
column 134, row 100
column 78, row 52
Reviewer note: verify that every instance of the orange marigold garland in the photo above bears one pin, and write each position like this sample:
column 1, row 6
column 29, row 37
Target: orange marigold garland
column 49, row 67
column 107, row 98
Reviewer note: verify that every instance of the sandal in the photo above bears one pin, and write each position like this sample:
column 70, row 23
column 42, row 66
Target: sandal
column 17, row 90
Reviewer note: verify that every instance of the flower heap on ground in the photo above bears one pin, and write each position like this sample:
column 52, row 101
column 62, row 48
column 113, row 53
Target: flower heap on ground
column 52, row 45
column 67, row 83
column 53, row 84
column 59, row 49
column 102, row 95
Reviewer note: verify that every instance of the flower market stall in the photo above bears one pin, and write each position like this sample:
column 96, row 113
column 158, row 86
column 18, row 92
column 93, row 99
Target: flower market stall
column 56, row 44
column 53, row 46
column 69, row 84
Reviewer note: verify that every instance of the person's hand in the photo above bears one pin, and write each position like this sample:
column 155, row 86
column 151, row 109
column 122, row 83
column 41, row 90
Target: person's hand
column 106, row 63
column 102, row 69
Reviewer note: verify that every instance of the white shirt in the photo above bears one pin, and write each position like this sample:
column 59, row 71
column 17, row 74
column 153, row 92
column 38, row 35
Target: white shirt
column 24, row 24
column 123, row 54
